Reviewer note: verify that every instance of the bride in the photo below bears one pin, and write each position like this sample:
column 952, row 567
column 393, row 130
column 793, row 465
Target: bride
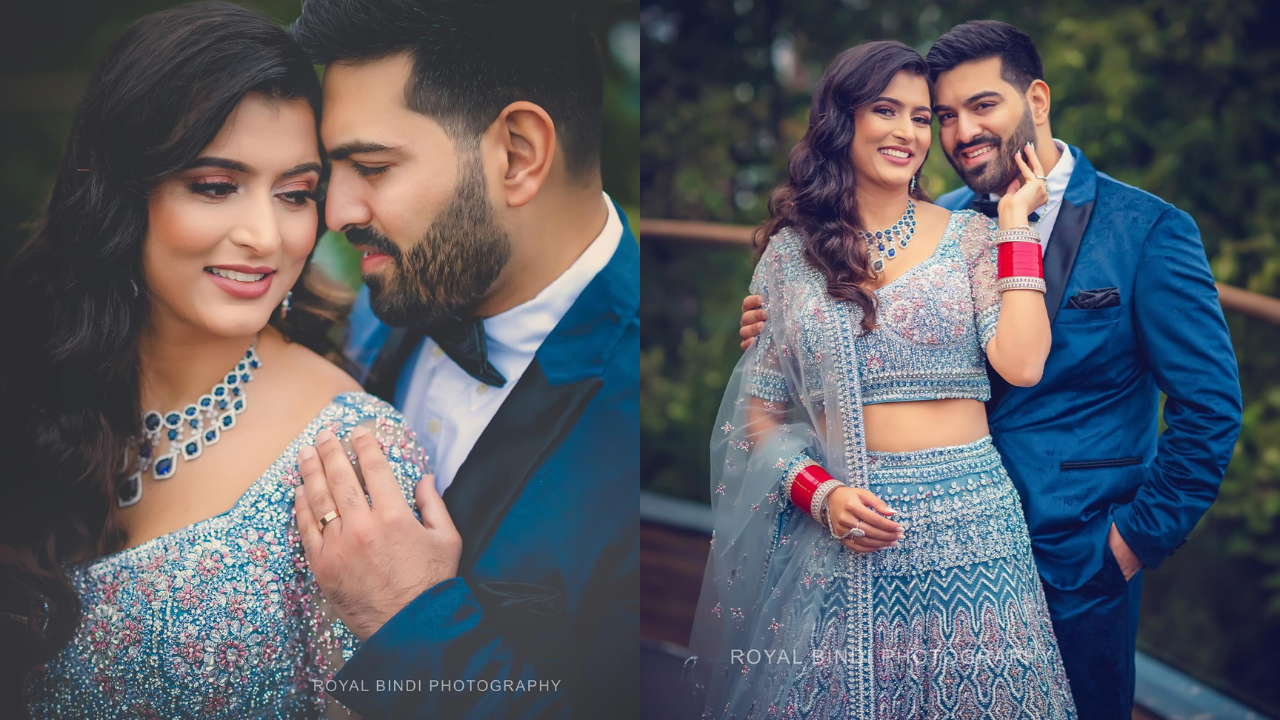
column 167, row 352
column 870, row 558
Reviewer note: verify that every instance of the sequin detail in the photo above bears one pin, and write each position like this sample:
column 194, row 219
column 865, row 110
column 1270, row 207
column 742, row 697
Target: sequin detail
column 222, row 618
column 933, row 323
column 958, row 622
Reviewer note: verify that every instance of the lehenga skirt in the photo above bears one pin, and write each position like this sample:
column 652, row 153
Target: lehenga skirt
column 960, row 628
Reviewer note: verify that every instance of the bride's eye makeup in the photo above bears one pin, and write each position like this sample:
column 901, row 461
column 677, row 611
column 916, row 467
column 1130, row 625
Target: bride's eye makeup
column 298, row 194
column 214, row 186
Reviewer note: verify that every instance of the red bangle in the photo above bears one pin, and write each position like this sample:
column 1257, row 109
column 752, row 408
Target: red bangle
column 1019, row 259
column 802, row 481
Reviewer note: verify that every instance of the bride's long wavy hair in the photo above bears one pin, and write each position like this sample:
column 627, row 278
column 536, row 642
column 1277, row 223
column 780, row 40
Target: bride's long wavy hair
column 819, row 198
column 74, row 301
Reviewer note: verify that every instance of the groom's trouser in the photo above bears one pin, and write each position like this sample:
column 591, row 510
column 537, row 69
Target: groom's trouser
column 1097, row 627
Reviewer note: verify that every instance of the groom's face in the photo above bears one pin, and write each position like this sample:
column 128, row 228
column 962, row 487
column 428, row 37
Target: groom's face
column 983, row 121
column 414, row 200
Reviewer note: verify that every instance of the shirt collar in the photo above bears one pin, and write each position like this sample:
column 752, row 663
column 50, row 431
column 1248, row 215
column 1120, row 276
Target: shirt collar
column 516, row 334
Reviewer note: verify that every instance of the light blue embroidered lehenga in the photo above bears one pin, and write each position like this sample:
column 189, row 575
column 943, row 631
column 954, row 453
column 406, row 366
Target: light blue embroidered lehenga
column 221, row 619
column 791, row 624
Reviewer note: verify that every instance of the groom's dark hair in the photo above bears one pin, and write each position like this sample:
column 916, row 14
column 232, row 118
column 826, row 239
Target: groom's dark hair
column 471, row 58
column 981, row 39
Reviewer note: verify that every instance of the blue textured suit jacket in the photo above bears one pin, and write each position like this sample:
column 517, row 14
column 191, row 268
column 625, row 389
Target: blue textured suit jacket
column 547, row 504
column 1081, row 446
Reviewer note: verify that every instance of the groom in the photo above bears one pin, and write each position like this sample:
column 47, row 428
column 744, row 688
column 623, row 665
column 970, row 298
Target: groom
column 1134, row 313
column 464, row 139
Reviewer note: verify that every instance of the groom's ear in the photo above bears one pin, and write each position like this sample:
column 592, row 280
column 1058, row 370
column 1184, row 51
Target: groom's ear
column 1038, row 100
column 527, row 136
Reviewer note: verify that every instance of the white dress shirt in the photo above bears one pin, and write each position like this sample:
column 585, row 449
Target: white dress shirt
column 1057, row 180
column 449, row 409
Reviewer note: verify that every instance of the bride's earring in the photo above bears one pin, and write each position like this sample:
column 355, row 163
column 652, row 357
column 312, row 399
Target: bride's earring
column 913, row 183
column 284, row 305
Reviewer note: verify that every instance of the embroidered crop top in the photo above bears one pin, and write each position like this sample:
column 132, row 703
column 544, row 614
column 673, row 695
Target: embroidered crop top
column 222, row 618
column 933, row 324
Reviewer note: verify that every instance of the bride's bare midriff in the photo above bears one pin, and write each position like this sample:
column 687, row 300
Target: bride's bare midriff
column 923, row 424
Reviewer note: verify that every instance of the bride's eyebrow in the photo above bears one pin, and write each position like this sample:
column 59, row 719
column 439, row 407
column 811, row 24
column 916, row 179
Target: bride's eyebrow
column 218, row 163
column 898, row 103
column 300, row 169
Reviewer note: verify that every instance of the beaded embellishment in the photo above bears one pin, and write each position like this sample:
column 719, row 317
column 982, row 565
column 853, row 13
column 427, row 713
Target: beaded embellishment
column 189, row 430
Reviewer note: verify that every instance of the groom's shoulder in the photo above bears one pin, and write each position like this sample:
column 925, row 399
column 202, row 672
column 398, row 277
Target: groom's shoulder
column 957, row 199
column 1132, row 199
column 365, row 333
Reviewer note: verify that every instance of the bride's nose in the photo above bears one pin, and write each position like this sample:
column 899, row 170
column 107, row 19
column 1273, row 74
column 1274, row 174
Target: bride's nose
column 257, row 229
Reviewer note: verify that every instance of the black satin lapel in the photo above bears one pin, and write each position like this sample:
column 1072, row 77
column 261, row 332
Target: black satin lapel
column 528, row 426
column 1060, row 256
column 385, row 372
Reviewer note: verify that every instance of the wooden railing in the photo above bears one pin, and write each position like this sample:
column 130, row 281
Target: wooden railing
column 1233, row 299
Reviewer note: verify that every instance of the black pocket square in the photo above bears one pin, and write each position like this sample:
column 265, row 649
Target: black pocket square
column 1095, row 299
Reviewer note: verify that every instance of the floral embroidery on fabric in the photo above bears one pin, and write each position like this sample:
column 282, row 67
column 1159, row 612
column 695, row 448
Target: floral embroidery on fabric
column 221, row 619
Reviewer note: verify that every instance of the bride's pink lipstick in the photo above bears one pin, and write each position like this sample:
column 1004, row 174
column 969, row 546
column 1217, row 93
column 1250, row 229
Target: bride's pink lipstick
column 242, row 290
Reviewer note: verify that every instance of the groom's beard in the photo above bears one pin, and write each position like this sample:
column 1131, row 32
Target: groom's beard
column 995, row 175
column 447, row 272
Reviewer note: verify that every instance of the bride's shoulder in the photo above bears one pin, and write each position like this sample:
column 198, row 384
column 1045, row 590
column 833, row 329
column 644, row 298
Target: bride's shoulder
column 309, row 369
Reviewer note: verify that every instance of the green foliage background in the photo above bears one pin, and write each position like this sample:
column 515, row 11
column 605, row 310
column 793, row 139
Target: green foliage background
column 1179, row 98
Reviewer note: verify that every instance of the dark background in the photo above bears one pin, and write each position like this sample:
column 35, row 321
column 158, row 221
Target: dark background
column 1179, row 98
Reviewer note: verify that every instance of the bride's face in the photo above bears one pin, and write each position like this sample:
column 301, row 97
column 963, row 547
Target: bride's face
column 892, row 133
column 229, row 235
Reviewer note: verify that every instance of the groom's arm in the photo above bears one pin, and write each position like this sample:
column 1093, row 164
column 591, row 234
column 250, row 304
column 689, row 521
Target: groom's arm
column 1184, row 340
column 448, row 655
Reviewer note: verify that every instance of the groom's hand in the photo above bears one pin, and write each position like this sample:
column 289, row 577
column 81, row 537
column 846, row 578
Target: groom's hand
column 1129, row 563
column 375, row 558
column 753, row 317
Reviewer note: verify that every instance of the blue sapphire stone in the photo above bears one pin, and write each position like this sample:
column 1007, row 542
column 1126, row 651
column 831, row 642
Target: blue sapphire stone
column 235, row 391
column 232, row 379
column 222, row 404
column 253, row 364
column 191, row 448
column 173, row 418
column 245, row 377
column 205, row 402
column 173, row 433
column 226, row 421
column 239, row 405
column 219, row 391
column 163, row 466
column 891, row 252
column 153, row 422
column 210, row 436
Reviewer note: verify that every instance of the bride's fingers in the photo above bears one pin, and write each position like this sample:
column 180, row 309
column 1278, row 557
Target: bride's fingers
column 1035, row 161
column 863, row 545
column 1022, row 165
column 846, row 521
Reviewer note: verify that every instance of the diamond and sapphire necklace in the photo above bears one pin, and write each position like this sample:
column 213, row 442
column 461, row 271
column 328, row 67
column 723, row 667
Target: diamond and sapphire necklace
column 188, row 430
column 881, row 242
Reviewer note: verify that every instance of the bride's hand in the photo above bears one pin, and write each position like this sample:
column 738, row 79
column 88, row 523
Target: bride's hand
column 848, row 505
column 1026, row 193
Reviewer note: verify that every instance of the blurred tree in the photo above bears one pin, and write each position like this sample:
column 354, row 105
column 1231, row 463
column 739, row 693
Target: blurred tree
column 1179, row 98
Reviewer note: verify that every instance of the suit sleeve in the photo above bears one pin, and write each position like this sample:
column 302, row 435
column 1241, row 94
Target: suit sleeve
column 1184, row 341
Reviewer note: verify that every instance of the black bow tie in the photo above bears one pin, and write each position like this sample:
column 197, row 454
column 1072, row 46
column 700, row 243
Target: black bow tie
column 990, row 209
column 464, row 341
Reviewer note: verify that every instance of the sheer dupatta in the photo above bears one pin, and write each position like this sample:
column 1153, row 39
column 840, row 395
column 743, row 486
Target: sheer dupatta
column 783, row 626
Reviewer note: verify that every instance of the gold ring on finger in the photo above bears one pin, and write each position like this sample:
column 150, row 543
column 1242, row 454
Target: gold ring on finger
column 328, row 518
